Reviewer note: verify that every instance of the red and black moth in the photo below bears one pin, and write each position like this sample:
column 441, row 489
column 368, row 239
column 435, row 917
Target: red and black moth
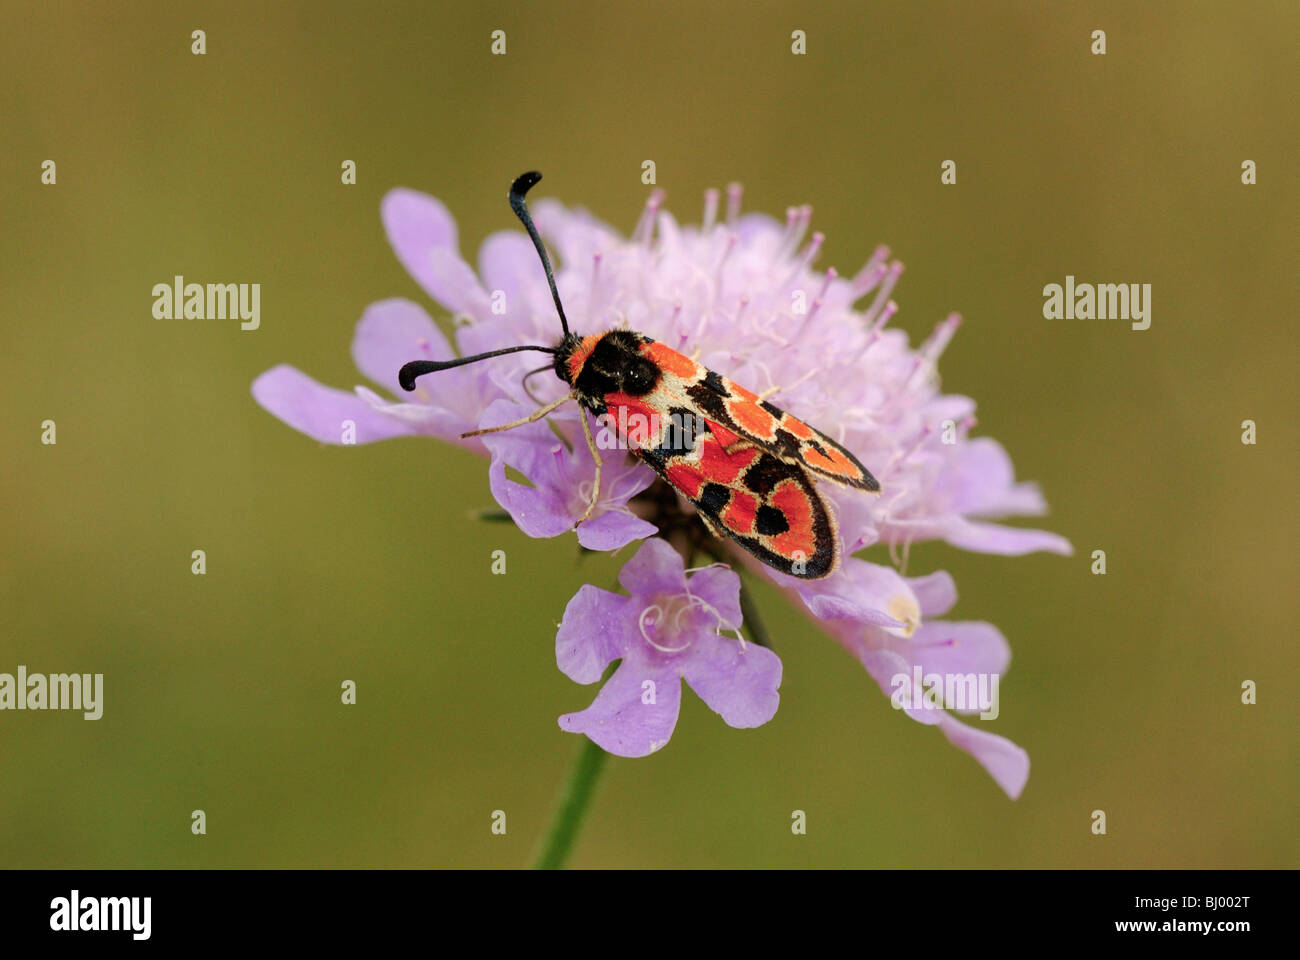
column 748, row 467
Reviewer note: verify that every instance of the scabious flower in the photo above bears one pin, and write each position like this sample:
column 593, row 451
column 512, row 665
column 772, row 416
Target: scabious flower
column 742, row 293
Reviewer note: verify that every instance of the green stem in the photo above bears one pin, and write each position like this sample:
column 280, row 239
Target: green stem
column 753, row 622
column 571, row 807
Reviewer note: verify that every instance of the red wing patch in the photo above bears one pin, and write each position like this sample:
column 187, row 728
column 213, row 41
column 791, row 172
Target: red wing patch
column 670, row 361
column 633, row 419
column 747, row 413
column 798, row 509
column 739, row 516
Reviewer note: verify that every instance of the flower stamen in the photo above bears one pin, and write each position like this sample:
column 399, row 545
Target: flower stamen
column 710, row 210
column 892, row 274
column 641, row 625
column 734, row 191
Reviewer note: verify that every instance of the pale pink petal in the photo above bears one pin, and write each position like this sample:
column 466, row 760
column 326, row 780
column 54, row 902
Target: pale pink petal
column 328, row 415
column 635, row 712
column 423, row 235
column 1006, row 762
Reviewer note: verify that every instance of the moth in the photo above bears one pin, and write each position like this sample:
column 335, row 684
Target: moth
column 749, row 468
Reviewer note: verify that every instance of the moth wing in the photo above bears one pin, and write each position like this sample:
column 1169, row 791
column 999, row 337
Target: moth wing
column 770, row 428
column 767, row 505
column 826, row 457
column 758, row 492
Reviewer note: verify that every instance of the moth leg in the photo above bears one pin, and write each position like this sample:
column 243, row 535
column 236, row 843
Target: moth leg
column 595, row 455
column 531, row 418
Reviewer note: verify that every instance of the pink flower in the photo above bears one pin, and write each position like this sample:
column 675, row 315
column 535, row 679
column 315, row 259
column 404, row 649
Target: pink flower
column 670, row 629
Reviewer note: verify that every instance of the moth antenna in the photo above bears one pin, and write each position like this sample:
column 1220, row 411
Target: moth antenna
column 406, row 376
column 523, row 183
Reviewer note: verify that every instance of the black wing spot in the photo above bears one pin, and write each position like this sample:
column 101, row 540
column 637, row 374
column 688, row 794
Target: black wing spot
column 681, row 429
column 712, row 403
column 773, row 409
column 770, row 521
column 766, row 474
column 787, row 443
column 656, row 458
column 714, row 382
column 714, row 497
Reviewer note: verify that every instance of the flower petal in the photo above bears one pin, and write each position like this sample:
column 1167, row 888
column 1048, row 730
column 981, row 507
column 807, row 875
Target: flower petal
column 392, row 333
column 1011, row 541
column 613, row 529
column 620, row 720
column 508, row 262
column 537, row 512
column 655, row 568
column 321, row 412
column 981, row 482
column 957, row 649
column 423, row 235
column 595, row 631
column 562, row 480
column 1006, row 762
column 856, row 518
column 540, row 510
column 893, row 674
column 423, row 419
column 739, row 683
column 574, row 233
column 862, row 591
column 719, row 587
column 935, row 592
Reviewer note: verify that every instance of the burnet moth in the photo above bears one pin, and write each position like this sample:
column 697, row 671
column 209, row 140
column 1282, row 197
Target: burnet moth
column 748, row 467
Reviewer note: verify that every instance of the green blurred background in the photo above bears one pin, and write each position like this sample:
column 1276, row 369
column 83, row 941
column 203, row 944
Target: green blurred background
column 364, row 563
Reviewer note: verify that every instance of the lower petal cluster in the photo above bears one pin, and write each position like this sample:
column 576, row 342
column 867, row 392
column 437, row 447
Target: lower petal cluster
column 669, row 628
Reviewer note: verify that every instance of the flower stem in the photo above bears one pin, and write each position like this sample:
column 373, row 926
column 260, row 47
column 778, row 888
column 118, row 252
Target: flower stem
column 753, row 622
column 570, row 807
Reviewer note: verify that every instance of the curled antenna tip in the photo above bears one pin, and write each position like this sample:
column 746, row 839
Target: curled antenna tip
column 406, row 376
column 523, row 183
column 416, row 368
